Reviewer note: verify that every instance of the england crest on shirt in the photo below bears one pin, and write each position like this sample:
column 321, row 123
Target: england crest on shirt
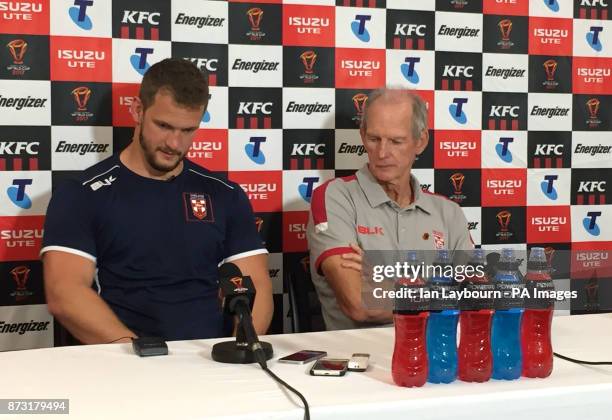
column 197, row 207
column 438, row 238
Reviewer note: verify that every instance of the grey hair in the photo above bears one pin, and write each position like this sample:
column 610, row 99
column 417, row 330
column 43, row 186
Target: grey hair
column 419, row 108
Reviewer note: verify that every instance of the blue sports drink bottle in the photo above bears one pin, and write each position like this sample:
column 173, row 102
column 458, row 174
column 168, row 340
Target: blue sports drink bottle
column 442, row 324
column 506, row 328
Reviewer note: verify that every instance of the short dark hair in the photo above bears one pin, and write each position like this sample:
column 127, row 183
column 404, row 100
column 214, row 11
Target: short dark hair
column 187, row 84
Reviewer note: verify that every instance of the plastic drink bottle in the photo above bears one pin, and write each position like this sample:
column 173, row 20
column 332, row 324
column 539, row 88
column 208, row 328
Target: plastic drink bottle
column 409, row 363
column 536, row 344
column 505, row 331
column 442, row 324
column 474, row 354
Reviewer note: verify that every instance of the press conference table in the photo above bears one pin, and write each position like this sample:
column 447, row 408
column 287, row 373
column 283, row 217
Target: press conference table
column 110, row 382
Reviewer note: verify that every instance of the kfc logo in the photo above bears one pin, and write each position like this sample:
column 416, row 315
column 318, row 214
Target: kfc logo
column 141, row 19
column 592, row 9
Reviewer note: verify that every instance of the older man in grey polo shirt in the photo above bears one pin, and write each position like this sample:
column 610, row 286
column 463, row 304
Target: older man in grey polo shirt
column 381, row 207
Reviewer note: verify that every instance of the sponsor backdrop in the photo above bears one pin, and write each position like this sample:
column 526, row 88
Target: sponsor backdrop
column 519, row 94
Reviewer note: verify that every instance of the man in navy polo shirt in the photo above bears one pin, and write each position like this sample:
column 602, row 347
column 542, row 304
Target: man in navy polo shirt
column 132, row 246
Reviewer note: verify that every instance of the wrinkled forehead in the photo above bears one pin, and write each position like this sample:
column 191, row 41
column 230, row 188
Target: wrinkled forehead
column 391, row 116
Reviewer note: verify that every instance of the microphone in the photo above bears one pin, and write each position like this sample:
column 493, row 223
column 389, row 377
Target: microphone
column 238, row 295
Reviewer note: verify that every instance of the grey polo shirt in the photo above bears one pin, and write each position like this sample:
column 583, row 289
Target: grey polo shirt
column 356, row 209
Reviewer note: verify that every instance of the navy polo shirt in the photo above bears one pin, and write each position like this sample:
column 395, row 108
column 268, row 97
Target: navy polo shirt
column 156, row 244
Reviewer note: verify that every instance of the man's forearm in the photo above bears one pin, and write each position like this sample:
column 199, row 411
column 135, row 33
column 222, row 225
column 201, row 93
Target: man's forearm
column 379, row 316
column 88, row 318
column 358, row 313
column 262, row 312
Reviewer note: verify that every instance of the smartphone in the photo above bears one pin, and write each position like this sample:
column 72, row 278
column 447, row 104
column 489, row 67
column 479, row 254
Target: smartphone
column 329, row 367
column 303, row 356
column 358, row 362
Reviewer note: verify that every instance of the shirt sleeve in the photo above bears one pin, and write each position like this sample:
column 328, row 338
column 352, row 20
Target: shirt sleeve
column 242, row 239
column 69, row 222
column 460, row 235
column 331, row 224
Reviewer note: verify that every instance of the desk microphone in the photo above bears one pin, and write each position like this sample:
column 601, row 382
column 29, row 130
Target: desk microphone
column 238, row 294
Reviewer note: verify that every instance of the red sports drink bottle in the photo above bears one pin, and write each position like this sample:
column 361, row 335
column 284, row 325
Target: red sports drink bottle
column 536, row 343
column 475, row 359
column 409, row 366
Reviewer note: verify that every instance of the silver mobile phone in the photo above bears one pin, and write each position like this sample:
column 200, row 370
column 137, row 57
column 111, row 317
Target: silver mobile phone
column 329, row 367
column 303, row 356
column 358, row 362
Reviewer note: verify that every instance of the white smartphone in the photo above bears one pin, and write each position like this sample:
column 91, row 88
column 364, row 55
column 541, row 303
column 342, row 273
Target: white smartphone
column 329, row 367
column 358, row 362
column 303, row 356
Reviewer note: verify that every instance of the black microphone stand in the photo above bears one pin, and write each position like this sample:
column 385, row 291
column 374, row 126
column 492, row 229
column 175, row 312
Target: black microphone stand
column 239, row 351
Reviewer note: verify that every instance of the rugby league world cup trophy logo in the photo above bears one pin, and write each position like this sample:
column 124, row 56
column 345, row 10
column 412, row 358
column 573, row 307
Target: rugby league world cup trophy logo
column 592, row 106
column 17, row 48
column 505, row 27
column 550, row 67
column 81, row 96
column 503, row 218
column 21, row 274
column 359, row 101
column 309, row 58
column 255, row 14
column 457, row 179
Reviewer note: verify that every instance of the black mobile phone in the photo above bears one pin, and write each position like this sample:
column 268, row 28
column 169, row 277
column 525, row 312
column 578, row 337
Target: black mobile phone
column 329, row 367
column 303, row 356
column 149, row 346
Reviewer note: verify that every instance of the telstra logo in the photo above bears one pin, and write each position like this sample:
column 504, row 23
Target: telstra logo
column 408, row 70
column 253, row 150
column 358, row 26
column 502, row 149
column 456, row 110
column 78, row 14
